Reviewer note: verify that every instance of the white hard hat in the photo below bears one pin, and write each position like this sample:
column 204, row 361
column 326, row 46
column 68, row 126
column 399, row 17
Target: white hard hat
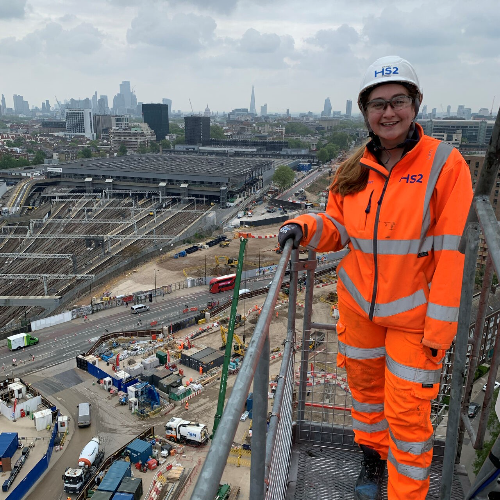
column 389, row 69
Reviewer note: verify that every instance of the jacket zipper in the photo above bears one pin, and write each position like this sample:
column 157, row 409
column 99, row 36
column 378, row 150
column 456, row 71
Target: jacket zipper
column 375, row 255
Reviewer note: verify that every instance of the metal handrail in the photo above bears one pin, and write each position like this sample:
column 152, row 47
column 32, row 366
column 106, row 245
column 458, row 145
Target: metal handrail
column 481, row 216
column 255, row 364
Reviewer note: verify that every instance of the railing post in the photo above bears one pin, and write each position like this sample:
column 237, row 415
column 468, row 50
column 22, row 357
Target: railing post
column 259, row 425
column 459, row 361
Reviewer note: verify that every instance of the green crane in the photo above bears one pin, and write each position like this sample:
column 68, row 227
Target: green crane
column 230, row 333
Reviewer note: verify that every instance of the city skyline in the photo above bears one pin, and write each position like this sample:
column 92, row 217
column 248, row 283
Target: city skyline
column 217, row 49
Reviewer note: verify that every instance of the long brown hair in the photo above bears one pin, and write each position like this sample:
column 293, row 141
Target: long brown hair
column 351, row 176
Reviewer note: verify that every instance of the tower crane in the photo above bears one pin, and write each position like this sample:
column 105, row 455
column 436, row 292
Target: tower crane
column 492, row 104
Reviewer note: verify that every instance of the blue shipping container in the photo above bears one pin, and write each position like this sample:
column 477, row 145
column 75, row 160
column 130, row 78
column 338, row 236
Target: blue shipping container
column 250, row 402
column 140, row 451
column 102, row 495
column 9, row 442
column 123, row 496
column 114, row 476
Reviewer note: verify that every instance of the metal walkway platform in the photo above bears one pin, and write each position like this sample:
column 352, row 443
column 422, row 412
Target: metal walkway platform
column 318, row 473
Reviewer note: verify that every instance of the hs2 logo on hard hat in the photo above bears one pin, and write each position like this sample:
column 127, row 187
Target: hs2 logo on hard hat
column 387, row 70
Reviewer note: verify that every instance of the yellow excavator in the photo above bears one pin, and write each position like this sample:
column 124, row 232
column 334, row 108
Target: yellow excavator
column 224, row 260
column 239, row 347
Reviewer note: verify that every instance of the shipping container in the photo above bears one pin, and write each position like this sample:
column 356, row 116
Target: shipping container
column 102, row 495
column 162, row 356
column 123, row 496
column 212, row 360
column 139, row 451
column 202, row 353
column 114, row 476
column 9, row 441
column 132, row 485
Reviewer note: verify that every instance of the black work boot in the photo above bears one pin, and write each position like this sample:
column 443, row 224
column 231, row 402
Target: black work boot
column 369, row 482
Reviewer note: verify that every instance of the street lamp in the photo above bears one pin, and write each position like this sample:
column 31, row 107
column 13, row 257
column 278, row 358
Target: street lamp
column 155, row 285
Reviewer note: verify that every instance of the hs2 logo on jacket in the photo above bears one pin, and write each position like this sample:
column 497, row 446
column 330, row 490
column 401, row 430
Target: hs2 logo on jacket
column 412, row 179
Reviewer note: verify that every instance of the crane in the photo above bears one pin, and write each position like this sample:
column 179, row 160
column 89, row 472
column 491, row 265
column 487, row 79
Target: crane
column 230, row 333
column 492, row 104
column 60, row 107
column 192, row 112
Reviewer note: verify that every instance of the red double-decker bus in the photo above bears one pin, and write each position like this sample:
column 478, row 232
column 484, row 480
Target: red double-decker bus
column 222, row 283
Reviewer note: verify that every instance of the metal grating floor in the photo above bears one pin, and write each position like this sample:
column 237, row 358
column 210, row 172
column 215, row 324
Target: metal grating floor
column 329, row 474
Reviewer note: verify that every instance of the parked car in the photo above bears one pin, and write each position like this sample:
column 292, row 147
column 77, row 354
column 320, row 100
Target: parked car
column 497, row 385
column 473, row 410
column 244, row 416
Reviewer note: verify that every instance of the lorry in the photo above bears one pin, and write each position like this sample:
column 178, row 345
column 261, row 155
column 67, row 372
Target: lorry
column 90, row 458
column 184, row 431
column 21, row 340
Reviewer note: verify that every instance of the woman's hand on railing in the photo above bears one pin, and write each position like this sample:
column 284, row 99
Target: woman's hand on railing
column 288, row 231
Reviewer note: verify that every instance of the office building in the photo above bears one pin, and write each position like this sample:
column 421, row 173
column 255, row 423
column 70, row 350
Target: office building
column 424, row 111
column 263, row 110
column 348, row 108
column 168, row 102
column 102, row 105
column 475, row 132
column 448, row 110
column 21, row 107
column 327, row 108
column 132, row 138
column 156, row 116
column 252, row 102
column 197, row 130
column 460, row 111
column 79, row 122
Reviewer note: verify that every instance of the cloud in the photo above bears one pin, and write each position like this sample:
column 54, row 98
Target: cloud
column 253, row 41
column 338, row 40
column 53, row 40
column 181, row 33
column 220, row 6
column 12, row 8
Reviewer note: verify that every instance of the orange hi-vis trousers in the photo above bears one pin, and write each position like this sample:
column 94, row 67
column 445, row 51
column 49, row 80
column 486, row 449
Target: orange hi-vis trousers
column 392, row 378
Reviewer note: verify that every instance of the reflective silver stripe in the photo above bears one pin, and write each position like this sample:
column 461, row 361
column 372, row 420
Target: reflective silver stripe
column 446, row 242
column 313, row 244
column 362, row 426
column 411, row 471
column 354, row 292
column 443, row 151
column 367, row 407
column 442, row 313
column 359, row 352
column 382, row 310
column 344, row 237
column 393, row 247
column 400, row 305
column 412, row 374
column 415, row 448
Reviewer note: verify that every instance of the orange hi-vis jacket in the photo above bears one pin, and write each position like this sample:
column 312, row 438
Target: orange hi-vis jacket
column 403, row 231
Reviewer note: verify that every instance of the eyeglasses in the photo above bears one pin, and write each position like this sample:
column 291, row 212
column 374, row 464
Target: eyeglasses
column 397, row 102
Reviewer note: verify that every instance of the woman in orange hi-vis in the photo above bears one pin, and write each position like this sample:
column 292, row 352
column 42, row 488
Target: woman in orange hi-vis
column 400, row 203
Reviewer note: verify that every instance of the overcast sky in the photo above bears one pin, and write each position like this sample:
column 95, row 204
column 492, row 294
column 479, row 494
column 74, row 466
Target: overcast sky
column 296, row 53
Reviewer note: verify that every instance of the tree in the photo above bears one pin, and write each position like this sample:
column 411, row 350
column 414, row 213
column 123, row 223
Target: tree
column 297, row 129
column 85, row 153
column 333, row 150
column 154, row 147
column 323, row 155
column 180, row 140
column 7, row 161
column 165, row 144
column 297, row 144
column 216, row 132
column 283, row 176
column 39, row 157
column 142, row 149
column 122, row 150
column 175, row 129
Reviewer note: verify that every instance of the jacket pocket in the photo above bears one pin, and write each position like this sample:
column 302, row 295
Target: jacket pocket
column 341, row 343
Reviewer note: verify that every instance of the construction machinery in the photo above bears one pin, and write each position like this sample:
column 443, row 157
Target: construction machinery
column 224, row 260
column 230, row 333
column 239, row 347
column 224, row 243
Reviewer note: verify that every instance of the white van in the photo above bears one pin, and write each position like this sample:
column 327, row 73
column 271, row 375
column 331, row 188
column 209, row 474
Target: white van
column 139, row 308
column 84, row 417
column 244, row 290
